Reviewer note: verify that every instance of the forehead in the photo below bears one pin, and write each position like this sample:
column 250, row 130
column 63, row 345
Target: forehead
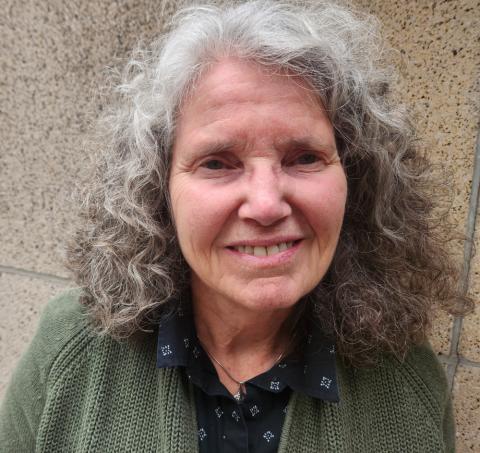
column 249, row 106
column 233, row 81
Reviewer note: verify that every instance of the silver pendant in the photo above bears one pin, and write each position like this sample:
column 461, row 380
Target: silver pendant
column 240, row 395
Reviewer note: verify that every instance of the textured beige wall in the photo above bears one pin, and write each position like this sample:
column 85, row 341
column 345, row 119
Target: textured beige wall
column 52, row 57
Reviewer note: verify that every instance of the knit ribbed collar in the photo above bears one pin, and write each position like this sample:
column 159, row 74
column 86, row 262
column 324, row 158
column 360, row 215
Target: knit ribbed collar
column 313, row 373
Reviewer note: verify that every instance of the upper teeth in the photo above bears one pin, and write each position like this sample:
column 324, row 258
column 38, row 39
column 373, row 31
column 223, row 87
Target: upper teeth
column 263, row 251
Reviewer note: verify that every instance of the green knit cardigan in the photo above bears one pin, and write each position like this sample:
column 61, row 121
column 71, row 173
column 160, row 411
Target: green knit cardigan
column 76, row 391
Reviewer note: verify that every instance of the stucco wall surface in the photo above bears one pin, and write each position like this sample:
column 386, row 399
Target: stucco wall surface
column 53, row 57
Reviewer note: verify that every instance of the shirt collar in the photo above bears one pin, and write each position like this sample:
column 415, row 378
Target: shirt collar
column 313, row 373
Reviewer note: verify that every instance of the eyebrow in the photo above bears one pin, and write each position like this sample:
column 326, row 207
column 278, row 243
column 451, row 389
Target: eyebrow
column 306, row 144
column 216, row 148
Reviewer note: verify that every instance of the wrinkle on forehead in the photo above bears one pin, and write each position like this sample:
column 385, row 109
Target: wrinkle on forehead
column 238, row 103
column 225, row 82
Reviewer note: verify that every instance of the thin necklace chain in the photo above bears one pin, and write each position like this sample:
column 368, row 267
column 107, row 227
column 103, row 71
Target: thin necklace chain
column 241, row 384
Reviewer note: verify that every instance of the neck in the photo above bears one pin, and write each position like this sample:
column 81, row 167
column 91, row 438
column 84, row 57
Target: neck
column 246, row 342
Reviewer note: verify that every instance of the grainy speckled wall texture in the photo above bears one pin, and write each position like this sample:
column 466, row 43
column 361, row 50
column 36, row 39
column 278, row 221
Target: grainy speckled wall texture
column 52, row 56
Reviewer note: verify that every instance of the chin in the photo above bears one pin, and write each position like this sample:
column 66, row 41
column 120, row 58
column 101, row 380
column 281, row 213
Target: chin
column 266, row 299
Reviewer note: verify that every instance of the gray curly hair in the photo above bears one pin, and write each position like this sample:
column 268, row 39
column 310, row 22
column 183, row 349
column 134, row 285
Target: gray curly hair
column 390, row 263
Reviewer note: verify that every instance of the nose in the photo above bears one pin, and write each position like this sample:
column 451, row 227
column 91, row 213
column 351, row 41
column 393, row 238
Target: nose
column 265, row 197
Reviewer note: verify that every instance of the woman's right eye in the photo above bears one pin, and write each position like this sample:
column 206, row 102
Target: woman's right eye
column 213, row 164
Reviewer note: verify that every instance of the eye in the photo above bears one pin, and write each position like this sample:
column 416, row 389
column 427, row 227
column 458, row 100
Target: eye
column 213, row 164
column 306, row 159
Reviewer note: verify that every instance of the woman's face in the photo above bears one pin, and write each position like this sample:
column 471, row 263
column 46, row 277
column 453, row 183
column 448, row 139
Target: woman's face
column 257, row 187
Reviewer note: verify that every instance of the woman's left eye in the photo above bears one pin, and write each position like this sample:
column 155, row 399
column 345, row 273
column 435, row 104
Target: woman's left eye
column 306, row 159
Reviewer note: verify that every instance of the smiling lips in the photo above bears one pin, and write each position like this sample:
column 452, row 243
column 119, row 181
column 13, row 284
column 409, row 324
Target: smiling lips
column 264, row 250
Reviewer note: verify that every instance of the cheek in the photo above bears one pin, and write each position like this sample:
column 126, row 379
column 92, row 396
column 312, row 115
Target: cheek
column 326, row 207
column 199, row 213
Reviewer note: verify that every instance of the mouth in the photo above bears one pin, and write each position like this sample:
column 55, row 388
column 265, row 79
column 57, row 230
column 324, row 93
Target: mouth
column 261, row 250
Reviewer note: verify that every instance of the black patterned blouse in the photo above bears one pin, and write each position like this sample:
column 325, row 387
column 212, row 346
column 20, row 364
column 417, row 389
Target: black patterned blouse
column 254, row 424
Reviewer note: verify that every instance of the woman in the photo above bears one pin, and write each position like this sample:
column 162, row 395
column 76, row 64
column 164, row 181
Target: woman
column 258, row 236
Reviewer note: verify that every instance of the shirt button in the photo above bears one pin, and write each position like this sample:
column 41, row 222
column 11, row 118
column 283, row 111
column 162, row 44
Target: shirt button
column 224, row 437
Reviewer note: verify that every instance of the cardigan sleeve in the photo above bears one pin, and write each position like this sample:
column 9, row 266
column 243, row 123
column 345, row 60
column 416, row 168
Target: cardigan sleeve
column 22, row 406
column 423, row 360
column 449, row 428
